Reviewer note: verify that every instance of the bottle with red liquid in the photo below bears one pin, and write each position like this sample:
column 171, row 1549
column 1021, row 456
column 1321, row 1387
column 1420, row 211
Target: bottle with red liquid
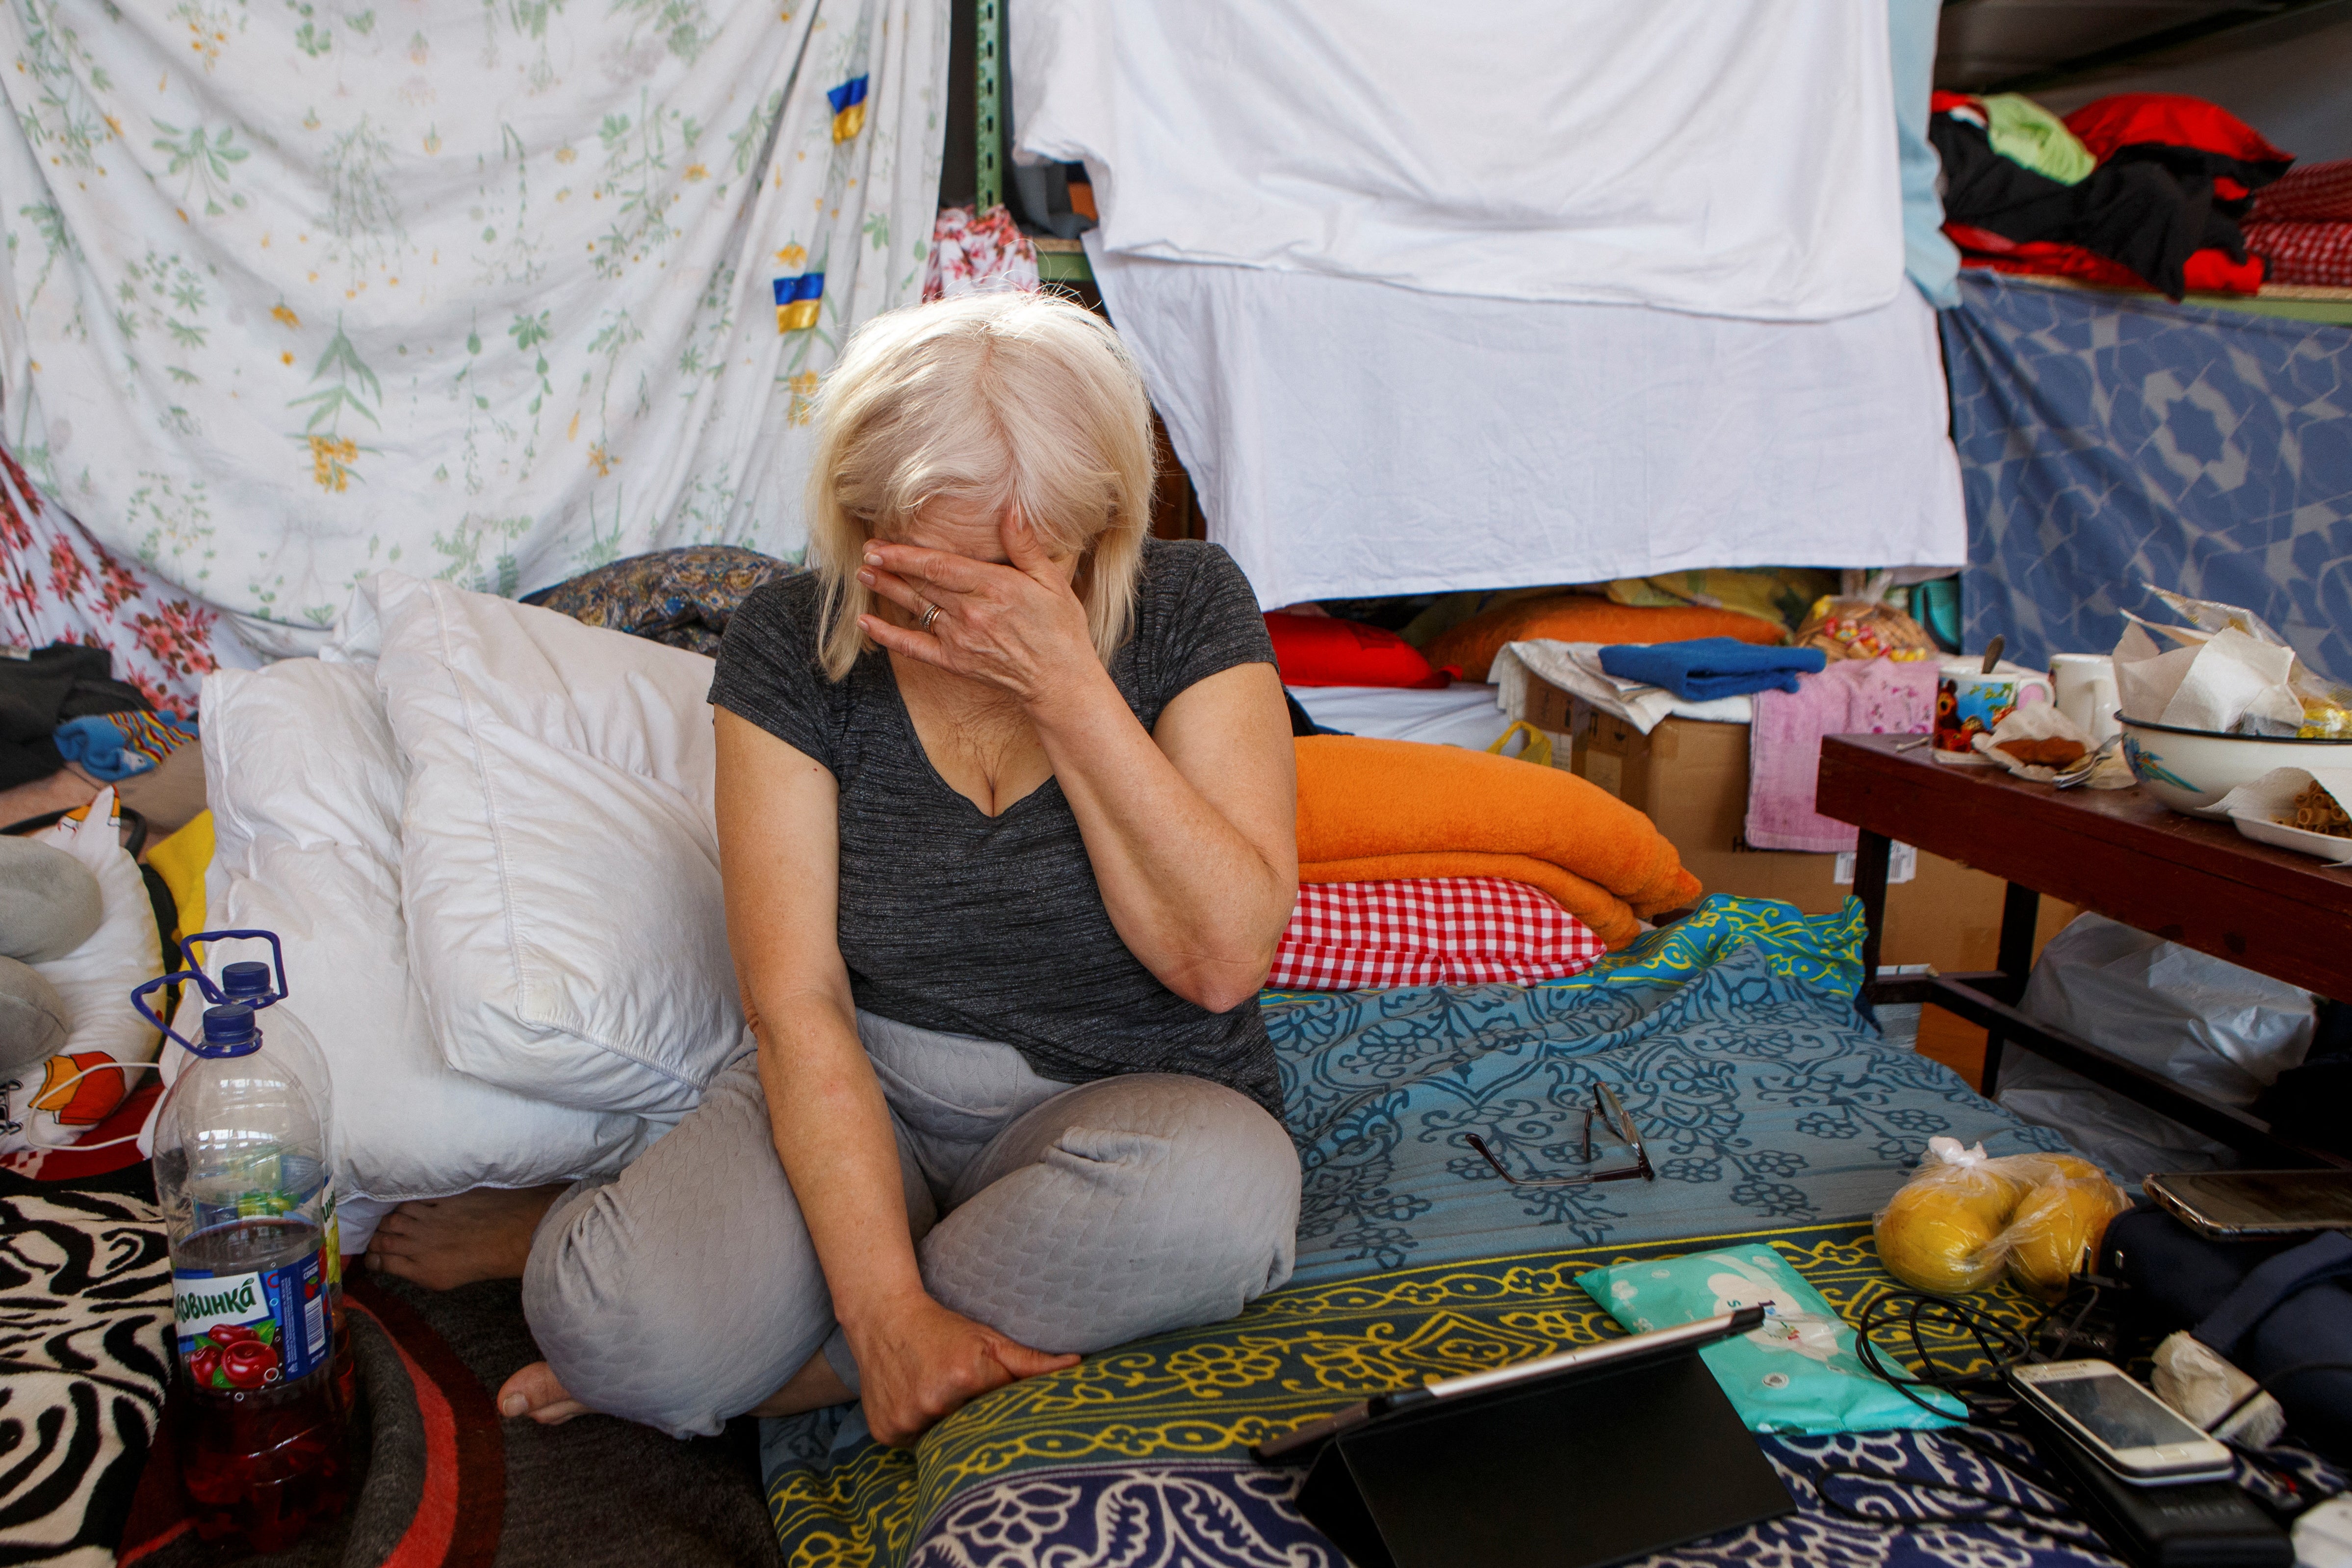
column 242, row 1176
column 292, row 1042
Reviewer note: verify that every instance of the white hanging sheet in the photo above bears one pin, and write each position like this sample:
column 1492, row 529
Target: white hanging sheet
column 1350, row 438
column 1730, row 157
column 486, row 291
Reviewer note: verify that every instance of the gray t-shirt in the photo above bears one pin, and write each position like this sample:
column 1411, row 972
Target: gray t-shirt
column 954, row 920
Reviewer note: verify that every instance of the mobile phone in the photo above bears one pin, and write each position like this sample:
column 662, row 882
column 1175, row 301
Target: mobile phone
column 2126, row 1428
column 2255, row 1203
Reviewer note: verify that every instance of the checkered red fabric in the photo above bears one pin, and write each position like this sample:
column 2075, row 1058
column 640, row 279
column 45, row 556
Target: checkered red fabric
column 1430, row 931
column 2315, row 194
column 2311, row 253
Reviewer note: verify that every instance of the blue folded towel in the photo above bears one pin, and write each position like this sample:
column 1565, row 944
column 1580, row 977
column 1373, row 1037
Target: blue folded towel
column 1705, row 668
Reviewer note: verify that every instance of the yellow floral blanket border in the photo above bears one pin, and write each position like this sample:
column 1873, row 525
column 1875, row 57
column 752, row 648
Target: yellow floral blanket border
column 1209, row 1393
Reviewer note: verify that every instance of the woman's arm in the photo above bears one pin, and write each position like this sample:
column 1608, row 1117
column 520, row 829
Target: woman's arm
column 1191, row 828
column 780, row 850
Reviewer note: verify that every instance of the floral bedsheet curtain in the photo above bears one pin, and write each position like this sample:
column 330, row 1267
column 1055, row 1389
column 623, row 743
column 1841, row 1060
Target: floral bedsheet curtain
column 493, row 291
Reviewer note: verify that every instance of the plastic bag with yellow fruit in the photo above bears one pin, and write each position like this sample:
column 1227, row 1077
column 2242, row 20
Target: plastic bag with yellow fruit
column 1965, row 1216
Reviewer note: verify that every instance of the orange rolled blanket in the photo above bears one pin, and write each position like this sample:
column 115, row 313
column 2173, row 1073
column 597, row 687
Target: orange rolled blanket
column 1385, row 811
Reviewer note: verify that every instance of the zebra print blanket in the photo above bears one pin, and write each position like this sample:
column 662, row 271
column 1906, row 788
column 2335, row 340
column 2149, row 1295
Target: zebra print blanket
column 85, row 1323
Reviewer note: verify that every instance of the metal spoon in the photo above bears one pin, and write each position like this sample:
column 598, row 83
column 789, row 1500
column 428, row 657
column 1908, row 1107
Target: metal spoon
column 2083, row 767
column 1992, row 653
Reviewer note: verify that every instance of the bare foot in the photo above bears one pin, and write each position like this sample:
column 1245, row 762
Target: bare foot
column 533, row 1391
column 442, row 1243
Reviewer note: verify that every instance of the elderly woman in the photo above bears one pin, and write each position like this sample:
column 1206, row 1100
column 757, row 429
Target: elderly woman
column 1005, row 804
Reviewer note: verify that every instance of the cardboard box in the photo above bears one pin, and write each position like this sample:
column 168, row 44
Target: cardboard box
column 1690, row 778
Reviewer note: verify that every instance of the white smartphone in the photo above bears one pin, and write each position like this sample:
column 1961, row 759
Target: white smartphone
column 2130, row 1430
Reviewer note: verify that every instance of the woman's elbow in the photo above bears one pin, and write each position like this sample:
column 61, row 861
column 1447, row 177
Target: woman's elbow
column 1219, row 993
column 1219, row 986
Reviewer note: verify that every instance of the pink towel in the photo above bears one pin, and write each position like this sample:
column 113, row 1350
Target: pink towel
column 1853, row 697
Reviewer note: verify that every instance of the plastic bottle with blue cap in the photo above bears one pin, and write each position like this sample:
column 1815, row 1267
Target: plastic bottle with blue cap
column 244, row 1178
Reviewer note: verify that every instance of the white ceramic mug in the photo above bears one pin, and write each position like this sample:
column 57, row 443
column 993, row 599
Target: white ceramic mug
column 2083, row 687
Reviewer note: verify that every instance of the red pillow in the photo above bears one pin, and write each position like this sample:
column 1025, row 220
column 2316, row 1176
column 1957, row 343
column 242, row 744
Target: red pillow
column 2175, row 119
column 2172, row 119
column 1429, row 931
column 1322, row 651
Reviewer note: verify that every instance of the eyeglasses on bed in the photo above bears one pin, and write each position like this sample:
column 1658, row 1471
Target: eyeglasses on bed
column 1613, row 1115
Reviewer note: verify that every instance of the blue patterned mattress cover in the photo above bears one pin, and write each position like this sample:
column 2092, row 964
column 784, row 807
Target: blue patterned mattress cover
column 1731, row 1038
column 1764, row 1102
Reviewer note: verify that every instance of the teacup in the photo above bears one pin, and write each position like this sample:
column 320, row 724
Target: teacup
column 1970, row 702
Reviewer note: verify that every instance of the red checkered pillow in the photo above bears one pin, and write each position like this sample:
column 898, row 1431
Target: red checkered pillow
column 2310, row 254
column 1430, row 931
column 2315, row 194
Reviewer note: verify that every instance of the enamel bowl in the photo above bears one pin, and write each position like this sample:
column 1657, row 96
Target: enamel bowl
column 2189, row 769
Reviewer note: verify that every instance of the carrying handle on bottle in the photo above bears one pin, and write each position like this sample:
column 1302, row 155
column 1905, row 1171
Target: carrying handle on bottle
column 182, row 977
column 277, row 960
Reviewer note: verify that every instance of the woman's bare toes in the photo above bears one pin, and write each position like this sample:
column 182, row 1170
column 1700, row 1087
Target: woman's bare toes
column 535, row 1393
column 442, row 1243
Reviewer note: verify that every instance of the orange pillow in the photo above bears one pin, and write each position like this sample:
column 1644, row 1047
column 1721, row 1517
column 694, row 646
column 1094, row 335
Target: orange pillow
column 1323, row 651
column 1586, row 617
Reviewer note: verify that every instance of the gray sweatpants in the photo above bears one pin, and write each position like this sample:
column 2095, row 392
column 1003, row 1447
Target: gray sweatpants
column 686, row 1290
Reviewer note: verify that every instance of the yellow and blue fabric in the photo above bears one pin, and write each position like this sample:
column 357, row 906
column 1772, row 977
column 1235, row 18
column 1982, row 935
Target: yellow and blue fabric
column 797, row 299
column 848, row 102
column 111, row 746
column 1149, row 1442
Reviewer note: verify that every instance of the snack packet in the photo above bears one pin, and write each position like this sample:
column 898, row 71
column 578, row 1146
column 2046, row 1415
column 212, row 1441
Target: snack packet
column 1965, row 1216
column 1797, row 1373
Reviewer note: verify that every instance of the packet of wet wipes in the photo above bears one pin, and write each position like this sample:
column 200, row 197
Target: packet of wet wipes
column 1797, row 1373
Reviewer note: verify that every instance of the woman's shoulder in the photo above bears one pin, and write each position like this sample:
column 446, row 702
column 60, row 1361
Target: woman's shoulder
column 1195, row 614
column 768, row 670
column 1182, row 579
column 1171, row 561
column 778, row 619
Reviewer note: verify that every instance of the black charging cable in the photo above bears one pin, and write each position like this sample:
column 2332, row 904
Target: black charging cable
column 1990, row 1406
column 2267, row 1384
column 2280, row 1476
column 1982, row 1396
column 1984, row 1401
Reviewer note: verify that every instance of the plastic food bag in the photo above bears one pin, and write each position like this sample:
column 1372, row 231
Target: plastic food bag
column 1862, row 628
column 2195, row 1380
column 1797, row 1374
column 1965, row 1216
column 2326, row 707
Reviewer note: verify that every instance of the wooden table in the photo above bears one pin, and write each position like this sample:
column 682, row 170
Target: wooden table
column 2117, row 852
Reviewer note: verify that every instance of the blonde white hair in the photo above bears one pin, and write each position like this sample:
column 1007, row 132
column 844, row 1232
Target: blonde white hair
column 982, row 402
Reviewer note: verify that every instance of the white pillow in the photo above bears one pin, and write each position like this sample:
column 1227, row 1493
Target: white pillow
column 306, row 788
column 559, row 863
column 95, row 981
